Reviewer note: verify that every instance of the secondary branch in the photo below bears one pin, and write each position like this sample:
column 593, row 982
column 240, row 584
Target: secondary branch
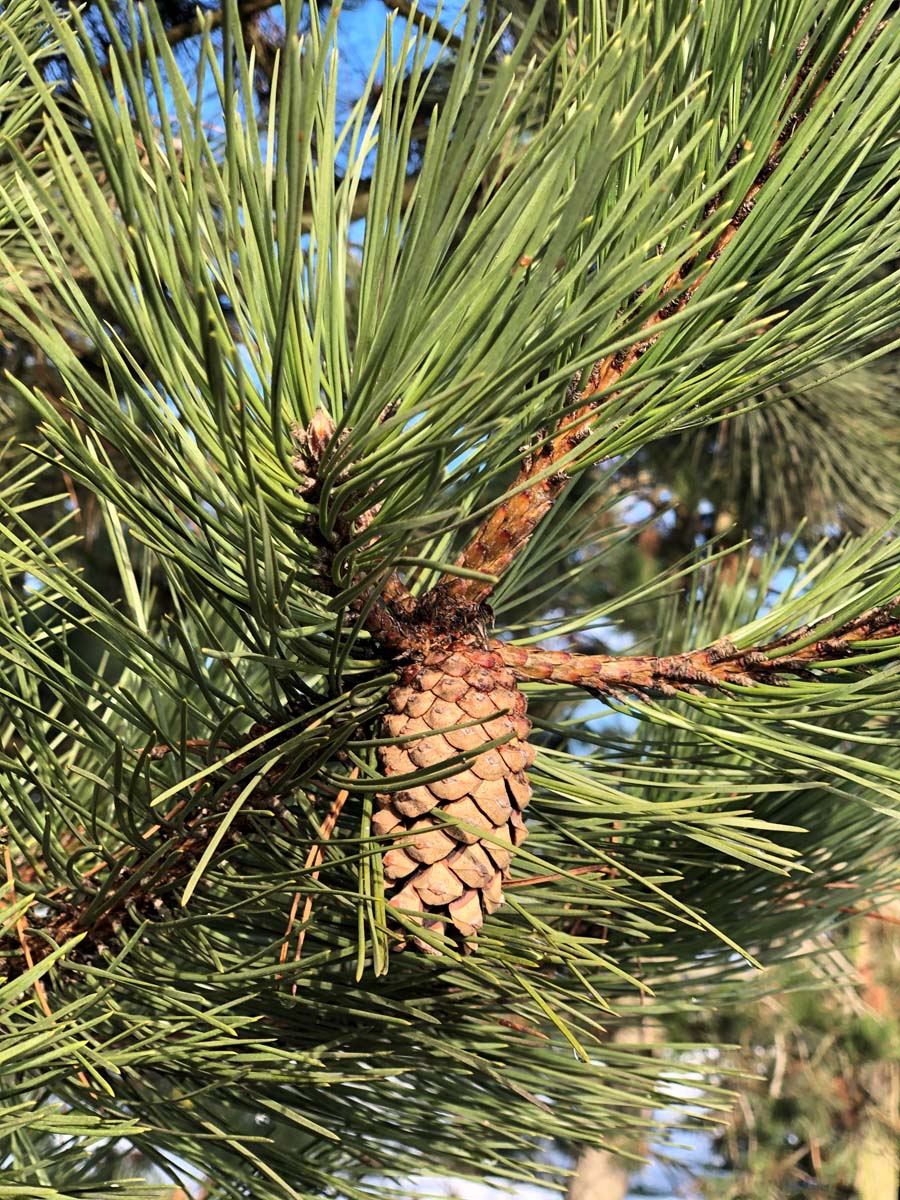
column 795, row 655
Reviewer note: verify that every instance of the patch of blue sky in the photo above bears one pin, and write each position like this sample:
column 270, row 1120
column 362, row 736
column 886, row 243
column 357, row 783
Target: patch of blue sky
column 250, row 365
column 31, row 583
column 787, row 578
column 360, row 42
column 637, row 510
column 361, row 31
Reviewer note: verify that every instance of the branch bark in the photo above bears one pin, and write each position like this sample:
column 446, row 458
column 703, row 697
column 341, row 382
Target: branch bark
column 710, row 667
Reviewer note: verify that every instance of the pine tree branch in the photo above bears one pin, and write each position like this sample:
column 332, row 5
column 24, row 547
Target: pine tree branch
column 414, row 14
column 313, row 863
column 505, row 533
column 211, row 19
column 712, row 666
column 140, row 878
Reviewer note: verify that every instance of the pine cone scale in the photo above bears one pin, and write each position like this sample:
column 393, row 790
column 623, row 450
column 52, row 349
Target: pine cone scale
column 454, row 837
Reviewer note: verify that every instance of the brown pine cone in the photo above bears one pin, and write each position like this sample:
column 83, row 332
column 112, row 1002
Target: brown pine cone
column 450, row 875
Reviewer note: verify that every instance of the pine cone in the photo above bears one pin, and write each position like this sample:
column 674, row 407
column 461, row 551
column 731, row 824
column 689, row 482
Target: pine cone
column 447, row 875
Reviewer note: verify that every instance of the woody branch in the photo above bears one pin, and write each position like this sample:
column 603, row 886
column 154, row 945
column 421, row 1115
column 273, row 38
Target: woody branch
column 141, row 877
column 507, row 530
column 795, row 655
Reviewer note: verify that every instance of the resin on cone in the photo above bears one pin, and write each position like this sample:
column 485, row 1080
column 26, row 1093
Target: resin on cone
column 455, row 836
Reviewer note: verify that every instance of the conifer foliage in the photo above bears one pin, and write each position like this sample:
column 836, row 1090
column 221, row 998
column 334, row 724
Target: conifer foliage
column 271, row 921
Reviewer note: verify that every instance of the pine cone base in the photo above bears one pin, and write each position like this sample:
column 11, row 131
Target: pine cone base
column 455, row 836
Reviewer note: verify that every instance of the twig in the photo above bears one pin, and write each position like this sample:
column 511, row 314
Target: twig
column 507, row 530
column 520, row 1026
column 781, row 1060
column 382, row 621
column 67, row 923
column 711, row 667
column 22, row 935
column 590, row 869
column 314, row 859
column 415, row 16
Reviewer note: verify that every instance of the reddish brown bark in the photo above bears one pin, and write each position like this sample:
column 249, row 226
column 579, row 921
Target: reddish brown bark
column 709, row 667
